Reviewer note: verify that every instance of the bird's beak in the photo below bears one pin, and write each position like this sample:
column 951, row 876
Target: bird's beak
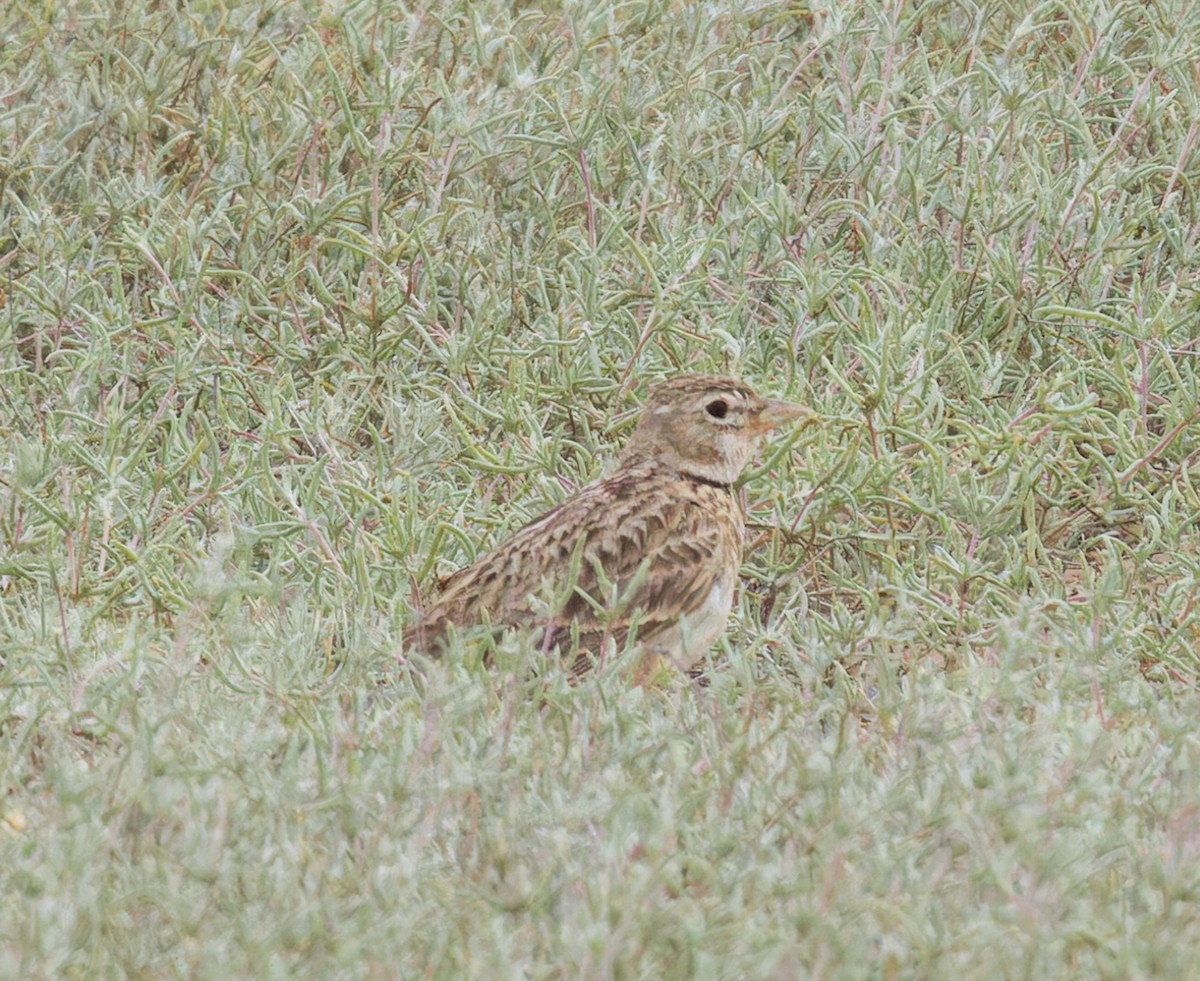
column 776, row 413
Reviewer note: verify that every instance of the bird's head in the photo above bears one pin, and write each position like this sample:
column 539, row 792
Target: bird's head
column 707, row 426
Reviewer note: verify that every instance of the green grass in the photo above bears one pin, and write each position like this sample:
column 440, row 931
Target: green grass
column 304, row 305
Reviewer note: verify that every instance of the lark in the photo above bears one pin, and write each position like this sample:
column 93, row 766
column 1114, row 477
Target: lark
column 647, row 558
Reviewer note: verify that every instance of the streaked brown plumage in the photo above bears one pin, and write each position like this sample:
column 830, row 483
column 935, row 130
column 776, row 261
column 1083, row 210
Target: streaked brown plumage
column 653, row 550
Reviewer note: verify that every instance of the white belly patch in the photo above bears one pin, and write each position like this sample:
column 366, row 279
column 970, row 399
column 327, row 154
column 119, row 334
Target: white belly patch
column 697, row 631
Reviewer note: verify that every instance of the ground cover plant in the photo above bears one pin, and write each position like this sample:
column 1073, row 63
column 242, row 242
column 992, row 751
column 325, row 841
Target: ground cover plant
column 304, row 304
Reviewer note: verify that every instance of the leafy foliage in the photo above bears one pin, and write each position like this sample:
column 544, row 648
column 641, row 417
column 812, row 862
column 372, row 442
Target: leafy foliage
column 304, row 304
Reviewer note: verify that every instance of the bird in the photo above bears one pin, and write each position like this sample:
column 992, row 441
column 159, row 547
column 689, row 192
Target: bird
column 648, row 556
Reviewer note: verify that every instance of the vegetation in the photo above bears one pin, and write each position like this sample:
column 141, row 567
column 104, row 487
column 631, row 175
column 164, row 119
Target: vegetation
column 304, row 304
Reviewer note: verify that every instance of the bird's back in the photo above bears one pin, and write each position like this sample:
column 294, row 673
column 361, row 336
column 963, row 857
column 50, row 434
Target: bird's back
column 645, row 550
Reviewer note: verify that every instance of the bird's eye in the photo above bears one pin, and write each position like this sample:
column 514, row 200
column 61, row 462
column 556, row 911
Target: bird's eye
column 717, row 408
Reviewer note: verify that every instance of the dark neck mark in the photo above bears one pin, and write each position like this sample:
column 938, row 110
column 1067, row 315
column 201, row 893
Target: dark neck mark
column 707, row 481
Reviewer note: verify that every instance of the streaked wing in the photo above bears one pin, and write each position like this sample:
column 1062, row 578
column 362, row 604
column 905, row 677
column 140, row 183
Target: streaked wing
column 634, row 548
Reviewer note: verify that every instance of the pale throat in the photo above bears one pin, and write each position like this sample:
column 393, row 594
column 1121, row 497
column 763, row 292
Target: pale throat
column 724, row 462
column 719, row 459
